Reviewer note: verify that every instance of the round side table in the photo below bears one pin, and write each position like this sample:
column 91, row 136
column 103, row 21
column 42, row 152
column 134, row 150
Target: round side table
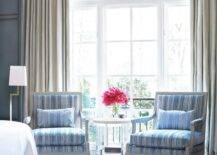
column 111, row 122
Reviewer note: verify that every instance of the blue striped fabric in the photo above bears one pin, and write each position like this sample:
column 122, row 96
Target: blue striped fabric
column 182, row 103
column 177, row 139
column 134, row 150
column 174, row 119
column 74, row 149
column 59, row 136
column 57, row 101
column 55, row 118
column 171, row 141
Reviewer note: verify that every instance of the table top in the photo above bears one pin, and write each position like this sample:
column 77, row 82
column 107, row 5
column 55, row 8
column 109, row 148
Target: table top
column 111, row 120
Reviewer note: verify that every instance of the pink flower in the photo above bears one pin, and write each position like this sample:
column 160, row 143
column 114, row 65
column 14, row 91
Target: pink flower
column 114, row 95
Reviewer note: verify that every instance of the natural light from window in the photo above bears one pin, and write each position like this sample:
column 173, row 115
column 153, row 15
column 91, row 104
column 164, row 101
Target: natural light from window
column 139, row 48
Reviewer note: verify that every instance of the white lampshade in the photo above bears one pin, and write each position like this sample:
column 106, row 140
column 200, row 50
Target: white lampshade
column 18, row 76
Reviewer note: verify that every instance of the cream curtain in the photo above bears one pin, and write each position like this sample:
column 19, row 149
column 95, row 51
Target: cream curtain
column 204, row 41
column 44, row 47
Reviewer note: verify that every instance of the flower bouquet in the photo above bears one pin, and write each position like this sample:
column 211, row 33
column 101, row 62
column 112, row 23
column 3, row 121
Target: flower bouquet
column 115, row 97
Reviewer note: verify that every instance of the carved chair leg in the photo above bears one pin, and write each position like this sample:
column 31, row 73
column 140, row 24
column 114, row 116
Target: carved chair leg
column 87, row 149
column 188, row 151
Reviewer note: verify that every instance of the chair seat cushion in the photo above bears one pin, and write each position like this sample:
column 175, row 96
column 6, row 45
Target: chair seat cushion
column 59, row 136
column 177, row 139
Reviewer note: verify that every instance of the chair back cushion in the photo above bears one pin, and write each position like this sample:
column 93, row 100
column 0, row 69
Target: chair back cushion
column 58, row 100
column 182, row 101
column 174, row 119
column 55, row 118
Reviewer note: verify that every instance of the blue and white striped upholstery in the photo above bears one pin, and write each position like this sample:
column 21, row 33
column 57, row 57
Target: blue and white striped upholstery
column 132, row 149
column 175, row 139
column 55, row 118
column 174, row 119
column 75, row 149
column 57, row 101
column 183, row 102
column 59, row 136
column 59, row 139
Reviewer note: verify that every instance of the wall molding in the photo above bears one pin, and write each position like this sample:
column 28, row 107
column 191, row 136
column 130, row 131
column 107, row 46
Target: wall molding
column 9, row 15
column 10, row 35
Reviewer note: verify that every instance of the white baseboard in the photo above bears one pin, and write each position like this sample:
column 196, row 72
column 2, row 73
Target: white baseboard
column 60, row 153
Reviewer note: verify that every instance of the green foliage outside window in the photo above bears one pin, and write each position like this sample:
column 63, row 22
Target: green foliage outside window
column 87, row 101
column 139, row 91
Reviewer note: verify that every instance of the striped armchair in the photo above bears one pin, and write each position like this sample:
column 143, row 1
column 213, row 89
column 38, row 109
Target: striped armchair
column 62, row 140
column 172, row 134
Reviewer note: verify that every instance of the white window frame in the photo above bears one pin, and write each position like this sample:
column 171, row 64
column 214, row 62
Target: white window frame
column 101, row 55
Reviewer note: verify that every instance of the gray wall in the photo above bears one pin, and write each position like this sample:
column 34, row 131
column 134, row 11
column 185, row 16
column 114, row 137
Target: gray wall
column 9, row 54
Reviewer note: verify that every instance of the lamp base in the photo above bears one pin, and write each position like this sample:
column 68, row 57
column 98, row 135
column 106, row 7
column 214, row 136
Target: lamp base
column 11, row 99
column 11, row 107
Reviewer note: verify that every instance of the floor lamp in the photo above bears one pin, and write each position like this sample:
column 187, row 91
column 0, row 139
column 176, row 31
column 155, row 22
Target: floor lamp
column 17, row 78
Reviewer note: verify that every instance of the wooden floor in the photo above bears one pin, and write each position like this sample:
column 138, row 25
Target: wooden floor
column 95, row 153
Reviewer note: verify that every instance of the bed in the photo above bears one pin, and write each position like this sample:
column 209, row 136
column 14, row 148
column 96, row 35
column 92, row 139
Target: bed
column 16, row 139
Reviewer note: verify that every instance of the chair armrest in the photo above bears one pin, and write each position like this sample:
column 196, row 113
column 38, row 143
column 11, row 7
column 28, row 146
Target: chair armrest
column 27, row 120
column 86, row 125
column 197, row 124
column 144, row 119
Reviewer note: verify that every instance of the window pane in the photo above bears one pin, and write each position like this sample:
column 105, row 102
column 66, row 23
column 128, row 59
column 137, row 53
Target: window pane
column 145, row 58
column 120, row 82
column 145, row 23
column 177, row 48
column 118, row 58
column 177, row 22
column 88, row 87
column 144, row 86
column 84, row 25
column 178, row 57
column 117, row 24
column 84, row 59
column 179, row 83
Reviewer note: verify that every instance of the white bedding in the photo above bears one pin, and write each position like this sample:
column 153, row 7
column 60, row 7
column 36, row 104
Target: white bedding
column 16, row 139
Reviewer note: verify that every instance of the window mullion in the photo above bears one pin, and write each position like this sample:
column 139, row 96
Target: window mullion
column 100, row 53
column 161, row 64
column 131, row 53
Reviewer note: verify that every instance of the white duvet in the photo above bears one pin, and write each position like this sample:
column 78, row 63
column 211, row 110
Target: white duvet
column 16, row 139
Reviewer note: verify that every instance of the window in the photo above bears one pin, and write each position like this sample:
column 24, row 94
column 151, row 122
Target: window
column 139, row 46
column 131, row 49
column 177, row 47
column 84, row 51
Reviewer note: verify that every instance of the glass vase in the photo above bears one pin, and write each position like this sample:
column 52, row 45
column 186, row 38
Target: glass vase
column 115, row 110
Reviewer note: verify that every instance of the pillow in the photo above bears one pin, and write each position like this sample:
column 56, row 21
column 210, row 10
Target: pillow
column 47, row 118
column 174, row 119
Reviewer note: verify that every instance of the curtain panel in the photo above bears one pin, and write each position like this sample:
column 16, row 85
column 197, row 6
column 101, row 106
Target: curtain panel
column 44, row 46
column 204, row 47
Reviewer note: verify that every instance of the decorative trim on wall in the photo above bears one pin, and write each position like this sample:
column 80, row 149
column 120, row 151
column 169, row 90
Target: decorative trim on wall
column 10, row 35
column 9, row 15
